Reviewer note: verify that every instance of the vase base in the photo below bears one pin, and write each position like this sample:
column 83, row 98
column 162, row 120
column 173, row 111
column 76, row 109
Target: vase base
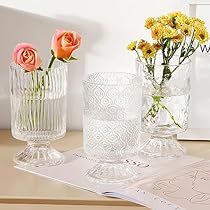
column 162, row 147
column 39, row 154
column 107, row 173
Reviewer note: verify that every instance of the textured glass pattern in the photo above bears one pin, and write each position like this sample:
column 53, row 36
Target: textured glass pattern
column 111, row 120
column 164, row 107
column 38, row 104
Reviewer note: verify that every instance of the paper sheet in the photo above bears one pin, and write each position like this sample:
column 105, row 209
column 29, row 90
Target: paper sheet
column 73, row 172
column 188, row 188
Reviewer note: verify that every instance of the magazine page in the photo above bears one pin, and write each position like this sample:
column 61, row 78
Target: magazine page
column 187, row 188
column 78, row 163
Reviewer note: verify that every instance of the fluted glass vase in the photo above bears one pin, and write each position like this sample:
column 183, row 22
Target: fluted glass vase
column 38, row 112
column 165, row 100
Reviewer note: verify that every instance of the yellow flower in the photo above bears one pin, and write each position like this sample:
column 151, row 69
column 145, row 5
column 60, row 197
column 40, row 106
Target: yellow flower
column 201, row 34
column 169, row 32
column 183, row 20
column 186, row 29
column 157, row 46
column 195, row 20
column 187, row 20
column 157, row 31
column 148, row 51
column 150, row 22
column 178, row 38
column 142, row 44
column 164, row 19
column 132, row 45
column 176, row 14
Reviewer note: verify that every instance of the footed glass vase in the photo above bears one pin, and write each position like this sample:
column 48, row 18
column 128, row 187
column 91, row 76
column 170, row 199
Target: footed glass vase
column 164, row 112
column 111, row 123
column 38, row 112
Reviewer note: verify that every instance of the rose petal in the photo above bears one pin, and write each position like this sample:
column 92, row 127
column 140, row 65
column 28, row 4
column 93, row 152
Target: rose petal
column 64, row 43
column 26, row 56
column 54, row 44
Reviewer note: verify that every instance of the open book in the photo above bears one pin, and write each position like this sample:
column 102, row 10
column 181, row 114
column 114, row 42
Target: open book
column 173, row 184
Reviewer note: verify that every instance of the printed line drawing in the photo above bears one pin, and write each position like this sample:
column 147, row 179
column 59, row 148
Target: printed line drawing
column 193, row 185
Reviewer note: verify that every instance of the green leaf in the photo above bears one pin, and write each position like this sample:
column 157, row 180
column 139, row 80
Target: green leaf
column 157, row 98
column 166, row 72
column 72, row 59
column 61, row 59
column 52, row 52
column 68, row 60
column 182, row 54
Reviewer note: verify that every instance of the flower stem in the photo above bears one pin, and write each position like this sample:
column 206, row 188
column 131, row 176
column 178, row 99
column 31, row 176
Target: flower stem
column 171, row 116
column 51, row 62
column 49, row 66
column 156, row 106
column 138, row 55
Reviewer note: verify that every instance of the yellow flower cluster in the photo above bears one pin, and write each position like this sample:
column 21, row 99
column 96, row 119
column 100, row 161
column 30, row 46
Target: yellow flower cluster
column 149, row 50
column 175, row 26
column 171, row 32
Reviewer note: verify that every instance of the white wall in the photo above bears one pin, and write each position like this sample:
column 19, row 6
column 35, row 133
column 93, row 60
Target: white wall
column 106, row 26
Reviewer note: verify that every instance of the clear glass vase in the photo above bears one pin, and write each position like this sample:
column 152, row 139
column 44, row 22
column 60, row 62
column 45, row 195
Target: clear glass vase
column 165, row 100
column 111, row 124
column 38, row 112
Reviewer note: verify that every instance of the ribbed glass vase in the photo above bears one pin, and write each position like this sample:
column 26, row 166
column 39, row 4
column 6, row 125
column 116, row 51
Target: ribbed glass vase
column 38, row 112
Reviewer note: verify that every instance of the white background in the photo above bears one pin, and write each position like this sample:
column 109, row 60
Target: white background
column 106, row 26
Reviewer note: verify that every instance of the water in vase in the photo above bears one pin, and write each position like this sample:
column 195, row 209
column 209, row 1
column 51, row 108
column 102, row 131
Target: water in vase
column 36, row 119
column 110, row 139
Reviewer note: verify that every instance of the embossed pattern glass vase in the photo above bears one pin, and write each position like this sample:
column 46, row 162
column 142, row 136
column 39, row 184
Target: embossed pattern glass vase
column 111, row 123
column 165, row 100
column 38, row 112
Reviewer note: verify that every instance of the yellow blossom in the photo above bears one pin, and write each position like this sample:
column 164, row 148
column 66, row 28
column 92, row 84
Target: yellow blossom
column 132, row 45
column 157, row 31
column 148, row 51
column 164, row 19
column 186, row 29
column 183, row 20
column 157, row 46
column 201, row 34
column 169, row 32
column 178, row 38
column 150, row 22
column 187, row 20
column 176, row 14
column 177, row 19
column 195, row 20
column 142, row 44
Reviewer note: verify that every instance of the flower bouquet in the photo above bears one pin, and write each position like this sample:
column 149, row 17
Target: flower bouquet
column 38, row 98
column 164, row 66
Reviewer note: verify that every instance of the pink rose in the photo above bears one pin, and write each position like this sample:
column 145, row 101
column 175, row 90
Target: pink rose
column 64, row 43
column 26, row 56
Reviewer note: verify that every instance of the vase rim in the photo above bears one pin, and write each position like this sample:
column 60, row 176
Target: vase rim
column 132, row 81
column 61, row 65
